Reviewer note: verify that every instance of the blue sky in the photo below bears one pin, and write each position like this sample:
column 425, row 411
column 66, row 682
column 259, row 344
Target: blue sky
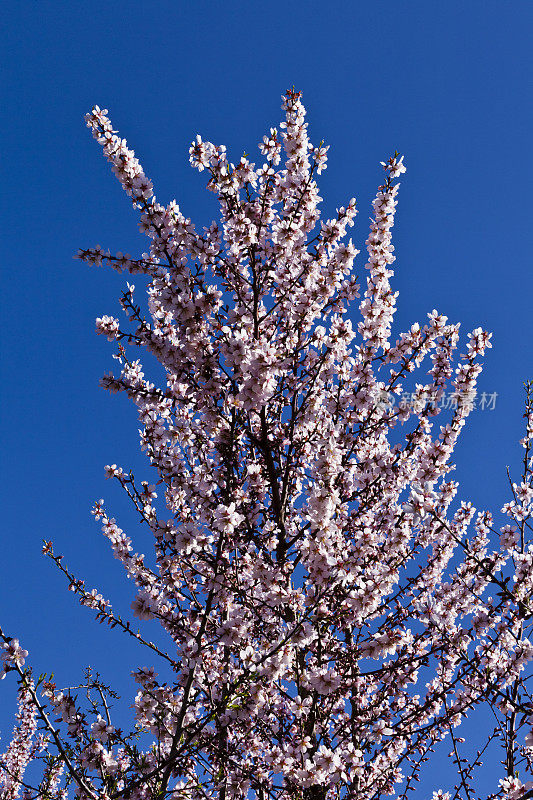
column 447, row 84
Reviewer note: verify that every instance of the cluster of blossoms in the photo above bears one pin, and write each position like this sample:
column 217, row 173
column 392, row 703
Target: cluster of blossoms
column 13, row 655
column 332, row 617
column 22, row 748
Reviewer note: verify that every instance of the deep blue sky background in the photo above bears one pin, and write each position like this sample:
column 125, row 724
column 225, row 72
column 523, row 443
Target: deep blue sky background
column 447, row 84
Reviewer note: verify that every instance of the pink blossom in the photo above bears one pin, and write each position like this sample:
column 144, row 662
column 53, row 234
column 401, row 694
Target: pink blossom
column 330, row 610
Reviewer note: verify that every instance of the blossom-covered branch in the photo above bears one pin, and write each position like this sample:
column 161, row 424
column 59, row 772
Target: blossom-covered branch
column 332, row 613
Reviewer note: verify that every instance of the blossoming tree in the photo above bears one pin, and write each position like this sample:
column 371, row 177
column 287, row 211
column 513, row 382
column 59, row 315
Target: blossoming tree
column 329, row 617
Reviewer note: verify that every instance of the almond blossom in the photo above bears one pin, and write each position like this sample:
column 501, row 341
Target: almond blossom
column 333, row 608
